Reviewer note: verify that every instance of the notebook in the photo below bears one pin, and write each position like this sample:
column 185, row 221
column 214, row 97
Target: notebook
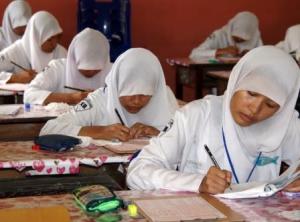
column 128, row 147
column 263, row 189
column 9, row 109
column 177, row 208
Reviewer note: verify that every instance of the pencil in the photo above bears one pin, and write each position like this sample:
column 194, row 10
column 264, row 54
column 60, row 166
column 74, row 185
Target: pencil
column 21, row 67
column 119, row 116
column 213, row 160
column 73, row 88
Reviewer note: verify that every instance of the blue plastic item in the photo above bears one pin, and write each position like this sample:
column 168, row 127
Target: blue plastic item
column 111, row 17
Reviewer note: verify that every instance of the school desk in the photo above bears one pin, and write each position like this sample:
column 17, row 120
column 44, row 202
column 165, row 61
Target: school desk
column 12, row 93
column 193, row 73
column 221, row 78
column 277, row 208
column 24, row 170
column 25, row 125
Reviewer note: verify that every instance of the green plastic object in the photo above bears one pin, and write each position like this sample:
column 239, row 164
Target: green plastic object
column 96, row 199
column 109, row 217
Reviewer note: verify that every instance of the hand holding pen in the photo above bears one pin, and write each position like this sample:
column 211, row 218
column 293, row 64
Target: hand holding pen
column 216, row 179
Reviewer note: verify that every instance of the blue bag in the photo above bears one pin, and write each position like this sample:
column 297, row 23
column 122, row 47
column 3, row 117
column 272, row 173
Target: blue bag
column 56, row 142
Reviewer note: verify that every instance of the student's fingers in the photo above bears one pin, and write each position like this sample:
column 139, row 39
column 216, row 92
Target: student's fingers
column 151, row 131
column 135, row 130
column 139, row 132
column 208, row 186
column 228, row 176
column 124, row 129
column 293, row 187
column 215, row 175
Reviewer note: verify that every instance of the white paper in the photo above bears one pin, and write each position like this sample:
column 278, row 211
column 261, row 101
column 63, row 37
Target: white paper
column 9, row 109
column 262, row 189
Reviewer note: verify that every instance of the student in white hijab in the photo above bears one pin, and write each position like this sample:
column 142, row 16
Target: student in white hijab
column 250, row 130
column 135, row 102
column 291, row 42
column 15, row 19
column 240, row 35
column 38, row 46
column 86, row 66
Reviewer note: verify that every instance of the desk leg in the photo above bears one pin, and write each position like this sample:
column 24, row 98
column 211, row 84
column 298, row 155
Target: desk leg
column 199, row 83
column 179, row 86
column 221, row 86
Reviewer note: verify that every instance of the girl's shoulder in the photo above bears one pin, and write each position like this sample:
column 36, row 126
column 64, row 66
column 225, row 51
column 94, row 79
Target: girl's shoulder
column 203, row 108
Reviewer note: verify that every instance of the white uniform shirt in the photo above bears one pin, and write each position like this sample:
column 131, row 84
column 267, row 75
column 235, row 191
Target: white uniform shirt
column 51, row 79
column 92, row 111
column 178, row 161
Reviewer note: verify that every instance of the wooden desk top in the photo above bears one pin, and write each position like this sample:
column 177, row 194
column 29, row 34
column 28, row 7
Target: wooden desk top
column 36, row 114
column 219, row 74
column 19, row 155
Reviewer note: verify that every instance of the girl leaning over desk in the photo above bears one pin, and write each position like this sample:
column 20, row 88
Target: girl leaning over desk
column 85, row 68
column 14, row 22
column 135, row 102
column 250, row 130
column 240, row 35
column 32, row 53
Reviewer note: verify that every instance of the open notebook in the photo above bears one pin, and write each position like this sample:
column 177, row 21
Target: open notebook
column 129, row 147
column 119, row 147
column 263, row 189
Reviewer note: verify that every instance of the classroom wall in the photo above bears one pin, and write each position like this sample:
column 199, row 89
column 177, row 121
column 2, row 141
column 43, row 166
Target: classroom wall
column 171, row 28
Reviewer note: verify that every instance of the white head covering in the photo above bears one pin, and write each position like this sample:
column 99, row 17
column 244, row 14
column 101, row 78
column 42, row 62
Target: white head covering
column 42, row 26
column 88, row 50
column 271, row 72
column 16, row 14
column 245, row 26
column 138, row 71
column 292, row 39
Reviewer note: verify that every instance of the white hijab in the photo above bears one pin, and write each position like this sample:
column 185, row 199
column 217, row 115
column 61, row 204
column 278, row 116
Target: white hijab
column 138, row 71
column 269, row 71
column 16, row 14
column 291, row 41
column 88, row 50
column 41, row 26
column 243, row 25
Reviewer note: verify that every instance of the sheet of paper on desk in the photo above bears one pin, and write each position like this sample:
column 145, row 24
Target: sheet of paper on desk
column 16, row 87
column 177, row 209
column 9, row 109
column 128, row 147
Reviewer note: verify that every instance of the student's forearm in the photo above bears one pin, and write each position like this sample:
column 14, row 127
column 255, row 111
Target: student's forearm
column 15, row 78
column 60, row 97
